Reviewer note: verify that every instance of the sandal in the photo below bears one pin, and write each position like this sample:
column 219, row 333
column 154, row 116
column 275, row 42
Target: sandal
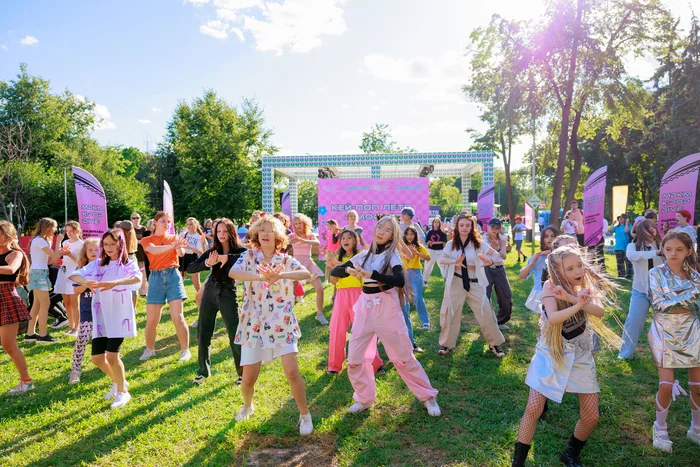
column 444, row 351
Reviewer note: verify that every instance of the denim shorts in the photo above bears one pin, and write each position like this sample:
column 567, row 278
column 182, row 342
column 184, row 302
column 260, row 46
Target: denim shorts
column 165, row 285
column 39, row 280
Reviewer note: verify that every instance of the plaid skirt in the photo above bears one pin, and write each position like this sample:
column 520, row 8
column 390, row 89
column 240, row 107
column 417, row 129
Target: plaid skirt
column 12, row 308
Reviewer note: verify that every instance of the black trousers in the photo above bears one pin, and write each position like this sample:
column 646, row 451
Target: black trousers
column 504, row 296
column 599, row 255
column 624, row 266
column 217, row 297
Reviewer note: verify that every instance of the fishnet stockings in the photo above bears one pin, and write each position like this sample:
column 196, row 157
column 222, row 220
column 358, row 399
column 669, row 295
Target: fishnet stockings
column 80, row 344
column 588, row 416
column 533, row 410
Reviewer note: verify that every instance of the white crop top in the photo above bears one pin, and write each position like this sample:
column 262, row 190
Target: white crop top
column 376, row 262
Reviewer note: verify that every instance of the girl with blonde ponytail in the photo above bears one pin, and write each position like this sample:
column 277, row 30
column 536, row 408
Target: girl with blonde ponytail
column 572, row 305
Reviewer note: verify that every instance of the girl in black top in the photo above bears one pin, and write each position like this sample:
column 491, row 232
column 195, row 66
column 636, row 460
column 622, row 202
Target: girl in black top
column 219, row 295
column 435, row 240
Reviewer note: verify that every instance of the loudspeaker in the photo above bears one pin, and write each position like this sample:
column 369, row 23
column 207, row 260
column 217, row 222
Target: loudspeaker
column 473, row 195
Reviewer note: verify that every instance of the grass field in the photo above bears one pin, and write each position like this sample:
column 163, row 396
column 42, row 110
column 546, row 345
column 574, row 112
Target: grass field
column 171, row 422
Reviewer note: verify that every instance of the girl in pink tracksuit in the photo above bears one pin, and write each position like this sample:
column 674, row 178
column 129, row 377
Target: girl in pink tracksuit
column 348, row 292
column 378, row 314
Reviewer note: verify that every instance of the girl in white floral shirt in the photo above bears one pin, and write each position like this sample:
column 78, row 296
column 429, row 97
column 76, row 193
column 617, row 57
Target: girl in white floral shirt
column 267, row 327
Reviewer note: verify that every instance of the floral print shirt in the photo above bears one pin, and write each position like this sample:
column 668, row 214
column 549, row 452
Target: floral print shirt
column 266, row 319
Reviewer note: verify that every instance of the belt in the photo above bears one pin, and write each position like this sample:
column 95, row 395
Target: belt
column 496, row 266
column 470, row 279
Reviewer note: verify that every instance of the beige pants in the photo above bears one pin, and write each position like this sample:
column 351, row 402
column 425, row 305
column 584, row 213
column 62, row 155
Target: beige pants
column 450, row 321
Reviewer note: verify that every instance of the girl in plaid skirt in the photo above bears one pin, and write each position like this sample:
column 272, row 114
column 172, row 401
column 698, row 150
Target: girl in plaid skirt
column 14, row 271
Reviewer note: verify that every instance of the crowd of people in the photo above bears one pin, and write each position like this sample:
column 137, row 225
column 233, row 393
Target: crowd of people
column 257, row 276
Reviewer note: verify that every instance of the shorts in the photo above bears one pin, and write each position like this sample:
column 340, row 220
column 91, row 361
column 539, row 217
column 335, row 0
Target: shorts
column 186, row 260
column 39, row 280
column 164, row 286
column 518, row 244
column 101, row 345
column 251, row 356
column 12, row 308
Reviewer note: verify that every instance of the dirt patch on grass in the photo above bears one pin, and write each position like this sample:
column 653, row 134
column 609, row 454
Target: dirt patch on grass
column 304, row 455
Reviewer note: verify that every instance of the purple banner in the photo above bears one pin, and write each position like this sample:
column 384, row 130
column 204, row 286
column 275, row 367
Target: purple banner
column 168, row 205
column 678, row 190
column 594, row 206
column 92, row 204
column 286, row 203
column 434, row 210
column 484, row 204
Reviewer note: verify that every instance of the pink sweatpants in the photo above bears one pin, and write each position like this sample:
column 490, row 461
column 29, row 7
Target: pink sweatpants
column 380, row 315
column 341, row 319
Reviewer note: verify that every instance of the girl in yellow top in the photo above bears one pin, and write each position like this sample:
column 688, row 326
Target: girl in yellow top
column 411, row 255
column 348, row 291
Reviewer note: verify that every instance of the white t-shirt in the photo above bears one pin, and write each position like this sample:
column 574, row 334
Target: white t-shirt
column 75, row 248
column 375, row 262
column 40, row 260
column 520, row 234
column 569, row 227
column 194, row 240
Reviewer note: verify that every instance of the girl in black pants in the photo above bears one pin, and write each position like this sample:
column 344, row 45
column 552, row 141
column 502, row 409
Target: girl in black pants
column 219, row 295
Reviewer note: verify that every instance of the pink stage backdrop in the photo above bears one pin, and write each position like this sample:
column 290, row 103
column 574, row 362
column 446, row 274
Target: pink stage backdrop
column 370, row 196
column 594, row 206
column 168, row 205
column 92, row 204
column 678, row 190
column 484, row 205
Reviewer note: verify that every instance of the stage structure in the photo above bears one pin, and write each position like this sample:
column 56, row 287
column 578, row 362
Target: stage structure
column 437, row 164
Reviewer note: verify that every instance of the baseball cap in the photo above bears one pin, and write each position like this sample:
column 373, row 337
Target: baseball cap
column 495, row 221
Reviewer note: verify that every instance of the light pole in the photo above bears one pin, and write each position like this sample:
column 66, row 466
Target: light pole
column 11, row 206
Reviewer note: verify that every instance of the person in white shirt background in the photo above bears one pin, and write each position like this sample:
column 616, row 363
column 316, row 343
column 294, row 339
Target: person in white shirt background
column 518, row 236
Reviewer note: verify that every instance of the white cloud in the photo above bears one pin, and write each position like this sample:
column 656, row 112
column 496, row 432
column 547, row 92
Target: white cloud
column 3, row 47
column 29, row 40
column 440, row 78
column 294, row 25
column 104, row 117
column 375, row 108
column 197, row 2
column 156, row 109
column 144, row 121
column 216, row 29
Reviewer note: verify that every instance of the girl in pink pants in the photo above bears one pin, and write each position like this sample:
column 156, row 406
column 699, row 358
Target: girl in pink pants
column 378, row 314
column 348, row 291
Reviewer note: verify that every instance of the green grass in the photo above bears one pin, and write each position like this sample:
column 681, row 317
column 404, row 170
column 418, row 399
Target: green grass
column 171, row 421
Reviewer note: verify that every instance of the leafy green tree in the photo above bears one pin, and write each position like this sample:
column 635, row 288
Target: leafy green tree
column 379, row 141
column 307, row 198
column 447, row 195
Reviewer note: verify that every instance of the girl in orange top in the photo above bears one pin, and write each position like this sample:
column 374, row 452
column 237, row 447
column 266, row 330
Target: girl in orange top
column 165, row 284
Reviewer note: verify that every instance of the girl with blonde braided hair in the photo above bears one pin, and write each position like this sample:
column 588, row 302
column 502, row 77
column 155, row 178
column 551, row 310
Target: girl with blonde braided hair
column 572, row 304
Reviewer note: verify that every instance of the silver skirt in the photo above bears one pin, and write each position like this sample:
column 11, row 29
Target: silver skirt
column 576, row 374
column 674, row 340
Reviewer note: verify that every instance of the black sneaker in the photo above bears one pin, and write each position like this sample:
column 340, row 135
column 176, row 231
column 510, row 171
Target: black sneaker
column 239, row 381
column 380, row 371
column 417, row 349
column 498, row 351
column 199, row 379
column 60, row 322
column 30, row 337
column 47, row 339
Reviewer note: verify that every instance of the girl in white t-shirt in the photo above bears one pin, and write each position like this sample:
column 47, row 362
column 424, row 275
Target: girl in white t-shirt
column 39, row 283
column 196, row 244
column 71, row 250
column 568, row 226
column 378, row 314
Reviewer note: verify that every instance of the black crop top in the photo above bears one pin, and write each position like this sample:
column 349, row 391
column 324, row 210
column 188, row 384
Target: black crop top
column 3, row 262
column 574, row 326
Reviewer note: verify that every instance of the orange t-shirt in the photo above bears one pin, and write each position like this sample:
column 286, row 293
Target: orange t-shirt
column 163, row 260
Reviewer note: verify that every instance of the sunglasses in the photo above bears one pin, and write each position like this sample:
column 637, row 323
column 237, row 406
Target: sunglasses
column 135, row 218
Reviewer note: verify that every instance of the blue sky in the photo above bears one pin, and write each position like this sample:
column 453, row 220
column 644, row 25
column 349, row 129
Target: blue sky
column 324, row 71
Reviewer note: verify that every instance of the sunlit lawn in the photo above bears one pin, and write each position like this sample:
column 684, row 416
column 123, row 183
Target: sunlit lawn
column 171, row 421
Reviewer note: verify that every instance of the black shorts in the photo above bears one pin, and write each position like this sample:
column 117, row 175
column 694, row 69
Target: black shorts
column 101, row 345
column 186, row 260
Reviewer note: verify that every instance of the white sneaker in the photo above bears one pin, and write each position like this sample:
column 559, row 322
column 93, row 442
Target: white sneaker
column 245, row 413
column 326, row 283
column 694, row 434
column 306, row 426
column 112, row 392
column 300, row 299
column 195, row 323
column 21, row 388
column 433, row 407
column 121, row 400
column 148, row 353
column 74, row 377
column 503, row 327
column 661, row 439
column 358, row 407
column 322, row 319
column 185, row 355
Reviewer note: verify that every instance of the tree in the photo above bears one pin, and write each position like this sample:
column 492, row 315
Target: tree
column 379, row 141
column 447, row 195
column 307, row 198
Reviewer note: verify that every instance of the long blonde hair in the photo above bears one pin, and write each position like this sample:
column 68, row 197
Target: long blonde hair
column 75, row 226
column 9, row 231
column 308, row 225
column 602, row 289
column 43, row 227
column 83, row 259
column 390, row 248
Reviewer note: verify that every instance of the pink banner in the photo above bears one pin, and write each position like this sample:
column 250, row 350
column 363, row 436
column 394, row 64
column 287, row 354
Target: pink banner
column 529, row 216
column 594, row 206
column 168, row 205
column 678, row 190
column 484, row 205
column 92, row 204
column 369, row 197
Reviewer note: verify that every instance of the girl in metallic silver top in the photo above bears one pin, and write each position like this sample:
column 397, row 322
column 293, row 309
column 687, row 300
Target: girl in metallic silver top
column 674, row 336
